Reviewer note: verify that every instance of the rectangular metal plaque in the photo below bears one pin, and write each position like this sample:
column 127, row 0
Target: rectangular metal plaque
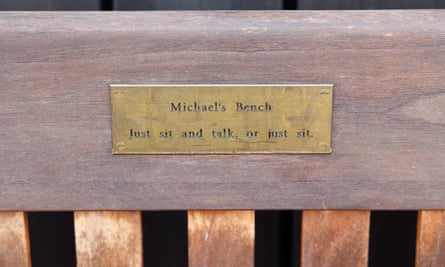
column 225, row 119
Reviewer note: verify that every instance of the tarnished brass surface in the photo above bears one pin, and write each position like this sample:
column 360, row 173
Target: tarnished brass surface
column 201, row 119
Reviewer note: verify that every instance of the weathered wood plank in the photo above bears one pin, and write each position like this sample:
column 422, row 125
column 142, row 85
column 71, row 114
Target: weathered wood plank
column 14, row 239
column 106, row 238
column 388, row 125
column 335, row 238
column 430, row 239
column 221, row 238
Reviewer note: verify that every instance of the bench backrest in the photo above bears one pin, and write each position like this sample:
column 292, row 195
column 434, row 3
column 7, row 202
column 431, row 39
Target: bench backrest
column 387, row 137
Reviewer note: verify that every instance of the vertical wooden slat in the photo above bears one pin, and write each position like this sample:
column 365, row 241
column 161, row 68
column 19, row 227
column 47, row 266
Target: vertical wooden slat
column 335, row 238
column 14, row 240
column 221, row 238
column 430, row 239
column 106, row 238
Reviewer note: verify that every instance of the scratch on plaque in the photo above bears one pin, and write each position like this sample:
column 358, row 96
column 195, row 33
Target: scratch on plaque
column 118, row 93
column 324, row 93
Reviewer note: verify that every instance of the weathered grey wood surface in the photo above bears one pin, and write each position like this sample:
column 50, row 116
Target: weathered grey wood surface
column 388, row 127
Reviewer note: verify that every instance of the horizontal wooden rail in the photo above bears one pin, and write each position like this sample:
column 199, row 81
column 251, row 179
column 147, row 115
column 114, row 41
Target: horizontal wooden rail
column 388, row 118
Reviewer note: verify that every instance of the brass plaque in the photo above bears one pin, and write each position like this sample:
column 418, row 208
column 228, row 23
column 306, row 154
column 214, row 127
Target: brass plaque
column 225, row 119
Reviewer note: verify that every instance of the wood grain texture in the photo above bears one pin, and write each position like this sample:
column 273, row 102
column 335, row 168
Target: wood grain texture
column 388, row 125
column 430, row 239
column 335, row 238
column 106, row 238
column 221, row 238
column 14, row 240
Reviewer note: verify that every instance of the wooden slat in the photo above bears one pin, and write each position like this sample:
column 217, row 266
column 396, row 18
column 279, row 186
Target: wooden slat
column 14, row 239
column 108, row 239
column 388, row 118
column 335, row 238
column 430, row 239
column 221, row 238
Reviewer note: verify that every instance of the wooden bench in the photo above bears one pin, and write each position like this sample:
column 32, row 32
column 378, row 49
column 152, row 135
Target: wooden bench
column 388, row 136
